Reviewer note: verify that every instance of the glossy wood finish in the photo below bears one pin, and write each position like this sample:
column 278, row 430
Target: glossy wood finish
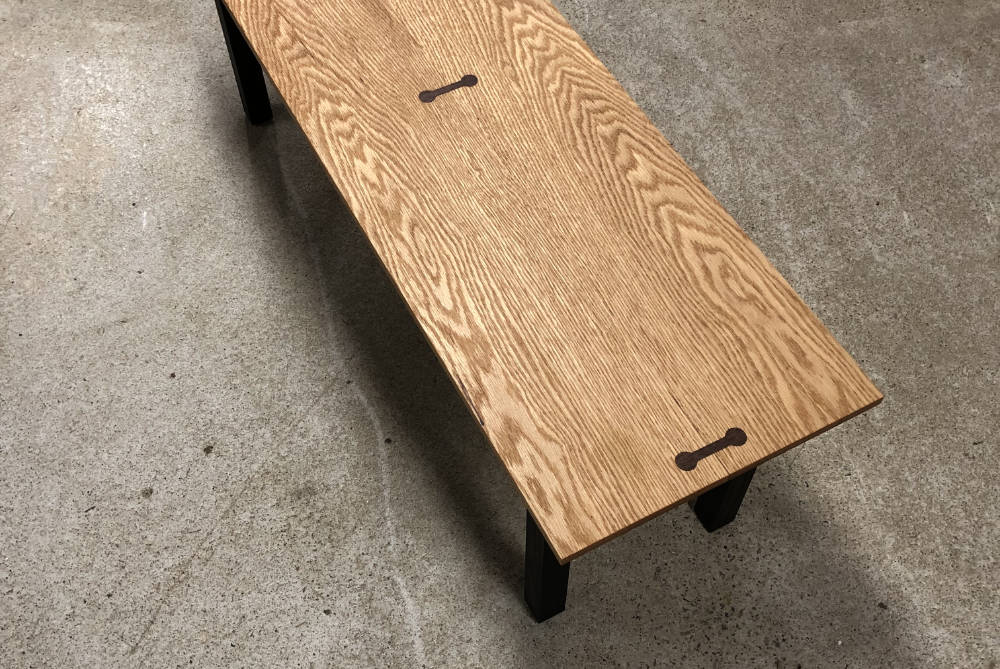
column 595, row 305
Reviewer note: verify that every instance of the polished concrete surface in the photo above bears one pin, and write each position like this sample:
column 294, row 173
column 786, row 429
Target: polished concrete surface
column 223, row 441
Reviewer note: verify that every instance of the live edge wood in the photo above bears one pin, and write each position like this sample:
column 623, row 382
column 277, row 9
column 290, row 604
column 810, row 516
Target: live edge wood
column 595, row 305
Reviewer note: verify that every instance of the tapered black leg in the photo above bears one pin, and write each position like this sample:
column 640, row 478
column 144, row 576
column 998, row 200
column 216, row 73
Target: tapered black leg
column 719, row 506
column 545, row 580
column 249, row 75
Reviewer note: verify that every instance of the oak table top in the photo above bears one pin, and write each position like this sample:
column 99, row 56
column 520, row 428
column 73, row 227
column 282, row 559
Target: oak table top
column 598, row 309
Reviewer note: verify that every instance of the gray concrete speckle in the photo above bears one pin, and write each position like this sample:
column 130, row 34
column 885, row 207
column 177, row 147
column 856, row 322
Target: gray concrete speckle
column 223, row 441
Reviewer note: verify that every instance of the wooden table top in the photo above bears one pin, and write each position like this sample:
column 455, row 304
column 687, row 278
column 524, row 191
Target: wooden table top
column 598, row 309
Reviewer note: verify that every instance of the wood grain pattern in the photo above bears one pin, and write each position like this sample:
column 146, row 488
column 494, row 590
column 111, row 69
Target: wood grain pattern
column 596, row 306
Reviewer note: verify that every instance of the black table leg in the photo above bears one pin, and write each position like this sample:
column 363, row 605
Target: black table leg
column 545, row 580
column 719, row 506
column 249, row 75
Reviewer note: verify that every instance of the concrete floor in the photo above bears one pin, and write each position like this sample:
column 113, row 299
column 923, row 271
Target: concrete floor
column 223, row 441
